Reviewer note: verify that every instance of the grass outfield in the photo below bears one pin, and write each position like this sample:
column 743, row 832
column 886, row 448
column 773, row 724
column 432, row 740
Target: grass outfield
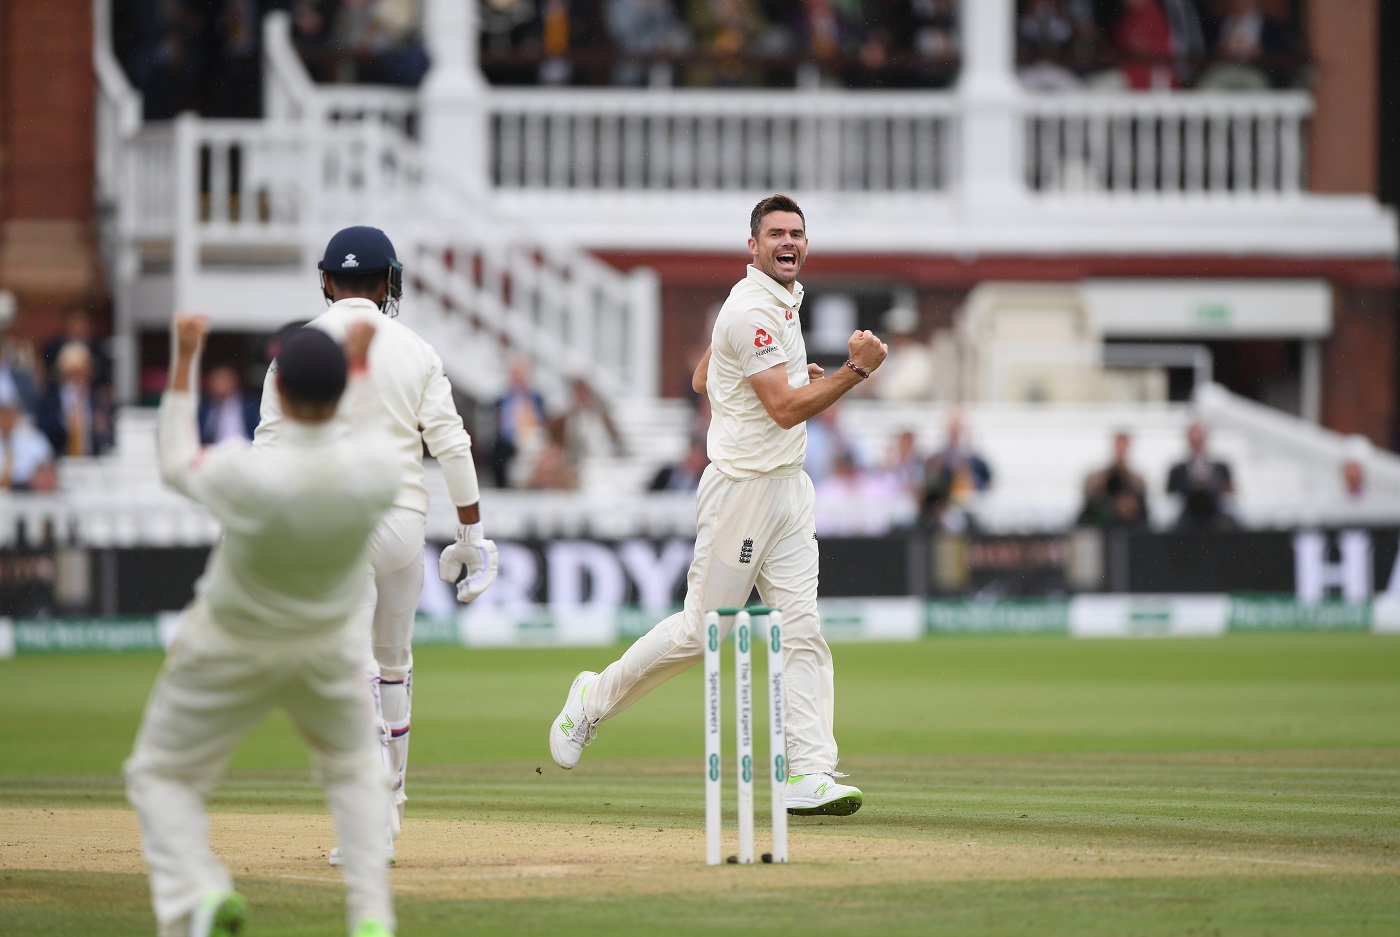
column 1239, row 785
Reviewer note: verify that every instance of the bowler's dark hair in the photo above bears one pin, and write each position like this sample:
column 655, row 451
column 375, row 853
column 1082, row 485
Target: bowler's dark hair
column 771, row 204
column 360, row 285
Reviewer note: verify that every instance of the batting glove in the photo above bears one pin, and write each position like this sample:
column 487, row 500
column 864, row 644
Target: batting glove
column 477, row 554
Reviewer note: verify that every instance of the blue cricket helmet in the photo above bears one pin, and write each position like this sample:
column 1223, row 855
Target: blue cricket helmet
column 360, row 250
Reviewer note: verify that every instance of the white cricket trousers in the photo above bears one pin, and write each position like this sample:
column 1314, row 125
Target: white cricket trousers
column 752, row 532
column 389, row 606
column 213, row 688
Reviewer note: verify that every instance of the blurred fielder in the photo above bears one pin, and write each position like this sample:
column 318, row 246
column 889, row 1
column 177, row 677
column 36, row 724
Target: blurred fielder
column 753, row 515
column 274, row 622
column 362, row 279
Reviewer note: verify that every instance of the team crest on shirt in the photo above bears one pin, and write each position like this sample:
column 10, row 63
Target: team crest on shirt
column 746, row 551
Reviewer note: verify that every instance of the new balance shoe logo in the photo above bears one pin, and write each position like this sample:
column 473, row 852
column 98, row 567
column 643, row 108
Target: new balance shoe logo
column 566, row 726
column 822, row 788
column 746, row 551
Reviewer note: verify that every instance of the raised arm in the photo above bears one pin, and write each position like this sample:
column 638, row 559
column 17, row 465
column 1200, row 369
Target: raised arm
column 789, row 406
column 178, row 430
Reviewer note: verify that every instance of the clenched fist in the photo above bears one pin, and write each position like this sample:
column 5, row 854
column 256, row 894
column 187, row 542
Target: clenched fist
column 867, row 351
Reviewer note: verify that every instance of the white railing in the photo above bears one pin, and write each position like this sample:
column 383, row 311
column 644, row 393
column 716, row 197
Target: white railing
column 1127, row 144
column 705, row 140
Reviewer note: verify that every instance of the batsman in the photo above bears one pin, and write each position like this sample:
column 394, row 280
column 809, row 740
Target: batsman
column 753, row 515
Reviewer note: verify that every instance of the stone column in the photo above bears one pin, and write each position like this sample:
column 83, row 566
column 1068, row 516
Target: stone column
column 990, row 150
column 453, row 96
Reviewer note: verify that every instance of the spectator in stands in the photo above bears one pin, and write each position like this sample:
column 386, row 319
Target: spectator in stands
column 19, row 372
column 1056, row 39
column 1115, row 496
column 1353, row 481
column 589, row 430
column 26, row 459
column 910, row 364
column 953, row 477
column 78, row 328
column 642, row 31
column 724, row 30
column 825, row 440
column 225, row 411
column 235, row 59
column 552, row 469
column 520, row 422
column 852, row 501
column 1249, row 47
column 904, row 464
column 1205, row 486
column 685, row 474
column 927, row 40
column 384, row 41
column 75, row 415
column 1142, row 42
column 832, row 32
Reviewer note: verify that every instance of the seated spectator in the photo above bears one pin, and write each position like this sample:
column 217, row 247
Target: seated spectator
column 844, row 498
column 642, row 31
column 26, row 459
column 1046, row 38
column 952, row 478
column 723, row 31
column 685, row 474
column 825, row 440
column 1249, row 47
column 552, row 469
column 225, row 411
column 907, row 375
column 1205, row 487
column 520, row 423
column 78, row 327
column 19, row 369
column 75, row 415
column 1142, row 42
column 904, row 464
column 1116, row 495
column 589, row 430
column 383, row 38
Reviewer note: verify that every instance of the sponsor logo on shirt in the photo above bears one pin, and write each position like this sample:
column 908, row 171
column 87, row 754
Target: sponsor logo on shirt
column 789, row 315
column 761, row 338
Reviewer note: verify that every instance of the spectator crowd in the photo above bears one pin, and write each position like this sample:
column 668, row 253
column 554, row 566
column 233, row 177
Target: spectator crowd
column 205, row 55
column 1229, row 45
column 55, row 402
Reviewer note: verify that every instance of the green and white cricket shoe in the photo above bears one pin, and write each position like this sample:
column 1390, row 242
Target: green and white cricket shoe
column 572, row 731
column 812, row 795
column 369, row 927
column 219, row 914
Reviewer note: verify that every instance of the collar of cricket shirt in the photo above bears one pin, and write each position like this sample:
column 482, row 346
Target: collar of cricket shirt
column 791, row 300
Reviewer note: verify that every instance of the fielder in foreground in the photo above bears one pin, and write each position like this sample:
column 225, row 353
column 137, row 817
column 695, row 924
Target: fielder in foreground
column 272, row 624
column 753, row 515
column 362, row 279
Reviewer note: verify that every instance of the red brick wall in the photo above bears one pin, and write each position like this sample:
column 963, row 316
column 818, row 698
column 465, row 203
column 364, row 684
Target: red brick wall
column 1343, row 36
column 1358, row 365
column 47, row 110
column 47, row 151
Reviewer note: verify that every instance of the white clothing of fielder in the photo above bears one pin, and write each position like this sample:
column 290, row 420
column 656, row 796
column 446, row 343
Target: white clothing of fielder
column 273, row 623
column 407, row 375
column 754, row 527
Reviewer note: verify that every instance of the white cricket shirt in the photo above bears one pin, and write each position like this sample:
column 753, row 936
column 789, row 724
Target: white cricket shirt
column 407, row 374
column 296, row 516
column 758, row 328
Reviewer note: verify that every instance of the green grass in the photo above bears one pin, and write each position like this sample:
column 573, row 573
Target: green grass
column 1278, row 750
